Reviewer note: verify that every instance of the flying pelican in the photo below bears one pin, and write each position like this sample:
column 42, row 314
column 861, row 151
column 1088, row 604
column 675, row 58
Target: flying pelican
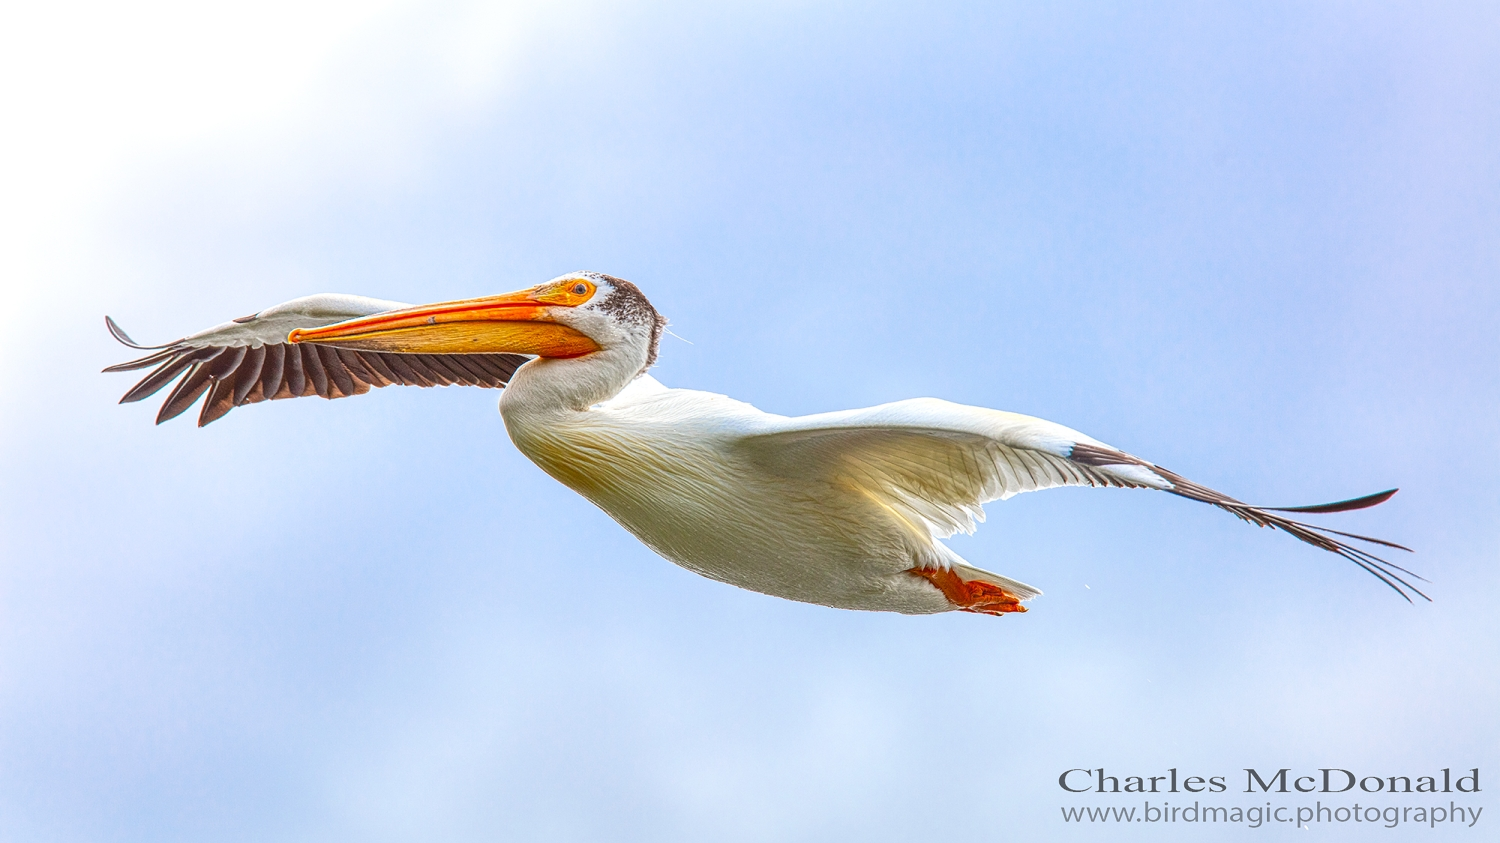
column 845, row 509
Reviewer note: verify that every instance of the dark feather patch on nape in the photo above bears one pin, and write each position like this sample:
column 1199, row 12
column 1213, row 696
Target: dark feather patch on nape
column 630, row 305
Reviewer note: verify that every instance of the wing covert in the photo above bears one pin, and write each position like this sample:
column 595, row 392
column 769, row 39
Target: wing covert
column 935, row 464
column 933, row 461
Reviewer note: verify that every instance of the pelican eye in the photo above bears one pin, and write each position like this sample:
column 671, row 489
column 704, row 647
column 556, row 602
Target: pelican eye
column 580, row 289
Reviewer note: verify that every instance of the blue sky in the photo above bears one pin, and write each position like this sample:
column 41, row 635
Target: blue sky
column 1257, row 246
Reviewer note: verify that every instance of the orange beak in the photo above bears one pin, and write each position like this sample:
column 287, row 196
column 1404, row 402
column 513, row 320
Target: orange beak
column 517, row 323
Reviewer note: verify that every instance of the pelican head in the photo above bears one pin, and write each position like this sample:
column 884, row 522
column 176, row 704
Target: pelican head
column 616, row 315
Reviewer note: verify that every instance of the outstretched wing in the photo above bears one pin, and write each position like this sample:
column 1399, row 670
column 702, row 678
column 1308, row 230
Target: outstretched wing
column 248, row 360
column 935, row 464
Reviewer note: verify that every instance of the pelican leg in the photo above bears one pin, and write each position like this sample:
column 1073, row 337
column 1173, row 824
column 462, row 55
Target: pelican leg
column 971, row 595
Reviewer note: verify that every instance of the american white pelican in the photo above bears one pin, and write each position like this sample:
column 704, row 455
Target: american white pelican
column 845, row 509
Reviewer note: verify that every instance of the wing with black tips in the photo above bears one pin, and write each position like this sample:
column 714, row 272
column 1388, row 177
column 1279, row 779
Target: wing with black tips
column 934, row 464
column 248, row 360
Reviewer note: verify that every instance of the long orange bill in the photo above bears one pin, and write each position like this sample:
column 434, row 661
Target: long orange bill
column 514, row 323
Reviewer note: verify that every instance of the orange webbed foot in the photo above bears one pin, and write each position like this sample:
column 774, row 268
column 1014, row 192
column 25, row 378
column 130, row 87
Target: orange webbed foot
column 972, row 595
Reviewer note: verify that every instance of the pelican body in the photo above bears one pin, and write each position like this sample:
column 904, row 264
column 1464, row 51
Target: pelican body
column 845, row 509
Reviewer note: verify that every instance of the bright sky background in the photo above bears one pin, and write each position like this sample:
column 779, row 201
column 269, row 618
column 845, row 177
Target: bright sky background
column 1256, row 244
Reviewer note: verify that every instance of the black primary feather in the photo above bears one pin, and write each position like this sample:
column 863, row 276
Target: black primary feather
column 234, row 376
